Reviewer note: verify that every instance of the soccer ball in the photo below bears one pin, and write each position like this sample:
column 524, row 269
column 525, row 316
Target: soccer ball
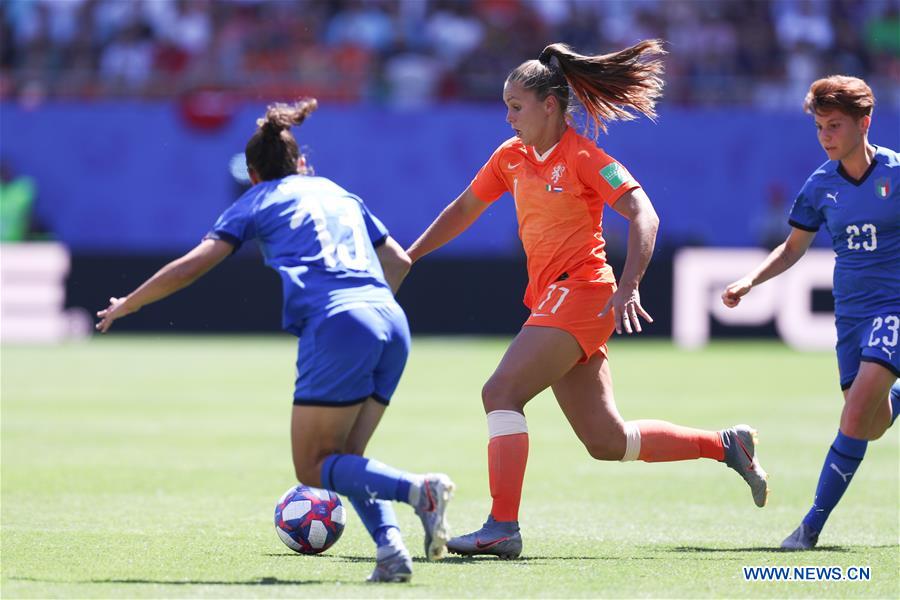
column 309, row 520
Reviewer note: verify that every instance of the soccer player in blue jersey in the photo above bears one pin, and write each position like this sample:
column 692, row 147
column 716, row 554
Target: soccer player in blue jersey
column 339, row 270
column 856, row 196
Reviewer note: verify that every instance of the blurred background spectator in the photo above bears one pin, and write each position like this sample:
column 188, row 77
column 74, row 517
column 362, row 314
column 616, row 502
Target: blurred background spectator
column 18, row 218
column 125, row 121
column 128, row 88
column 410, row 52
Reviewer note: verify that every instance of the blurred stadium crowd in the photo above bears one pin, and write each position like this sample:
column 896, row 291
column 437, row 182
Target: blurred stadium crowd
column 413, row 52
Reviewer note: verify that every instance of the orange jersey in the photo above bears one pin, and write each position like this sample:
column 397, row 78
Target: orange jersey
column 559, row 205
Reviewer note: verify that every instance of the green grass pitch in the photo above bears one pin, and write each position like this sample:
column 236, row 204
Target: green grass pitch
column 149, row 467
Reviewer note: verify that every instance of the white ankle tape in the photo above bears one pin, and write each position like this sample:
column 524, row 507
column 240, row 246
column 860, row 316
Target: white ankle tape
column 632, row 442
column 505, row 422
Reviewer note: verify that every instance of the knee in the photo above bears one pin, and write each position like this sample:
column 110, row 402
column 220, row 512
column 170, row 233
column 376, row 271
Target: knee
column 856, row 421
column 499, row 394
column 854, row 428
column 862, row 428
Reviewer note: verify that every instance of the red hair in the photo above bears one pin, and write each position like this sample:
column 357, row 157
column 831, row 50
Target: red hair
column 850, row 95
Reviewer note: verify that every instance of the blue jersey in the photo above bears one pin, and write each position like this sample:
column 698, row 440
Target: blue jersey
column 320, row 238
column 863, row 218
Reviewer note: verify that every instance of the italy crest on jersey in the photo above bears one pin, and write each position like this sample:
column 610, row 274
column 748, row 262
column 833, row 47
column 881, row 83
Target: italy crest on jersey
column 883, row 187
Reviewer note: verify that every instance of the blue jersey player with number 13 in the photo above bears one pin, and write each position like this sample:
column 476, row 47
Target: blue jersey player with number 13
column 856, row 196
column 339, row 269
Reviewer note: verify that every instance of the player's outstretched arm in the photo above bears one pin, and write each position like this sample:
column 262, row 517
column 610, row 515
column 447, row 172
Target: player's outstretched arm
column 643, row 223
column 176, row 275
column 452, row 221
column 779, row 260
column 394, row 262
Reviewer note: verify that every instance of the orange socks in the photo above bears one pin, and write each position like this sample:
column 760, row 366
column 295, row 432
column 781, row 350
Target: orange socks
column 661, row 441
column 647, row 440
column 507, row 457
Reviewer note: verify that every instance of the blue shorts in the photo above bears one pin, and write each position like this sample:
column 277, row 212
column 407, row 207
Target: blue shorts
column 872, row 339
column 347, row 357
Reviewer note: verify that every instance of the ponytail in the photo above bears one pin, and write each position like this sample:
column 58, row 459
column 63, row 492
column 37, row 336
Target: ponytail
column 272, row 151
column 609, row 86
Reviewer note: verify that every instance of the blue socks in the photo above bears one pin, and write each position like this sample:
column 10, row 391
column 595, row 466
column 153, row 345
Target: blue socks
column 841, row 463
column 356, row 476
column 378, row 517
column 370, row 485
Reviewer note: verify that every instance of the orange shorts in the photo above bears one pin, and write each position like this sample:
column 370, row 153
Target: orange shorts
column 573, row 306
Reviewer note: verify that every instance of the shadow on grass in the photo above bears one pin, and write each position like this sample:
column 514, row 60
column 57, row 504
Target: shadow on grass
column 469, row 559
column 258, row 581
column 773, row 549
column 330, row 557
column 540, row 559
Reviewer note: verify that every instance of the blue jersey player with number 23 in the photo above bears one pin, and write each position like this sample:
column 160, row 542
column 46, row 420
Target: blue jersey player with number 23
column 856, row 197
column 339, row 270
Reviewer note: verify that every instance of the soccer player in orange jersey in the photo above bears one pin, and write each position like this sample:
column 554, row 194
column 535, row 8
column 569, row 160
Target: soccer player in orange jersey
column 560, row 182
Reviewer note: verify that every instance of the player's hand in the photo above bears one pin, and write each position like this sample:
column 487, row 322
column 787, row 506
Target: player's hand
column 626, row 306
column 117, row 309
column 733, row 293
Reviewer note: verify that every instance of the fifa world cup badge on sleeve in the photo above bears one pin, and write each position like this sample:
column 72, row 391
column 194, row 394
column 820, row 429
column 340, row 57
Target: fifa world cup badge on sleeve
column 615, row 175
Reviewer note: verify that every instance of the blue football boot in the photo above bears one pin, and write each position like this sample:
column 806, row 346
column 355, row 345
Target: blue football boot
column 495, row 538
column 803, row 538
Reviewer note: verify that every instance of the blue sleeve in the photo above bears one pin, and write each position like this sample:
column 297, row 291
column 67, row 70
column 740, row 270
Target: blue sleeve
column 235, row 225
column 804, row 214
column 378, row 233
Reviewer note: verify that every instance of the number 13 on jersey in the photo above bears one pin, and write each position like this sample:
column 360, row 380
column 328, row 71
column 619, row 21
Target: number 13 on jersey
column 340, row 231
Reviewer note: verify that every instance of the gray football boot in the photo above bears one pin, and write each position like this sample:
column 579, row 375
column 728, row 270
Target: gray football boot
column 394, row 568
column 740, row 454
column 495, row 538
column 803, row 538
column 436, row 491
